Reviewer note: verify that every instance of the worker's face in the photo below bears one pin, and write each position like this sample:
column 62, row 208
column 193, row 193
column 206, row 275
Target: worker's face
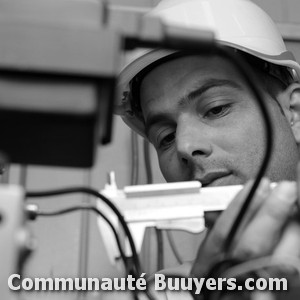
column 205, row 124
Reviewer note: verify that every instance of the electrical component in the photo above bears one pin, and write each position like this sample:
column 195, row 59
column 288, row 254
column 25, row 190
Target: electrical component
column 135, row 266
column 179, row 206
column 59, row 76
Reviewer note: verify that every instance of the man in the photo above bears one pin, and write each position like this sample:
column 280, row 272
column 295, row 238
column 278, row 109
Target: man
column 205, row 124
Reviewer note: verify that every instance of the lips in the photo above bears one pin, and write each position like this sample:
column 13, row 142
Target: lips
column 215, row 178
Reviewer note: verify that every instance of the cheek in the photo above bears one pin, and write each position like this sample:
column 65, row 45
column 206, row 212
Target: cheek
column 170, row 167
column 248, row 143
column 244, row 133
column 243, row 143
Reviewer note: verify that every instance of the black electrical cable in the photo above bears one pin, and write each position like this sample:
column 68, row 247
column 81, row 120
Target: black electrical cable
column 225, row 260
column 94, row 193
column 91, row 208
column 136, row 262
column 244, row 69
column 148, row 162
column 134, row 159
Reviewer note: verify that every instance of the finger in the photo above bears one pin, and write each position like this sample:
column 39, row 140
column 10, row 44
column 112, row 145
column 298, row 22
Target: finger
column 225, row 221
column 298, row 185
column 257, row 201
column 262, row 295
column 213, row 244
column 289, row 244
column 262, row 234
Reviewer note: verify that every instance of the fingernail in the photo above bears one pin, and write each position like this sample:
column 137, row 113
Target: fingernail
column 288, row 190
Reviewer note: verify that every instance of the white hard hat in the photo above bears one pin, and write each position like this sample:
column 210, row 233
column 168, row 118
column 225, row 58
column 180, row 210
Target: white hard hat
column 239, row 24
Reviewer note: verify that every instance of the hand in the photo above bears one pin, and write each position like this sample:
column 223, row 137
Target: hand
column 267, row 229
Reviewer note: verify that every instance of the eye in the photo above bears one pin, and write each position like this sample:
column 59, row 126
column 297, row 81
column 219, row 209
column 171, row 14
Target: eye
column 165, row 141
column 217, row 111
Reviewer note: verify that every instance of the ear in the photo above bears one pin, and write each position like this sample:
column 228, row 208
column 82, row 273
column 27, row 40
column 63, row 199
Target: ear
column 290, row 101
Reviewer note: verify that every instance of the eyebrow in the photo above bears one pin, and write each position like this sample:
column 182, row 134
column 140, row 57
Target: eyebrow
column 189, row 98
column 209, row 84
column 155, row 119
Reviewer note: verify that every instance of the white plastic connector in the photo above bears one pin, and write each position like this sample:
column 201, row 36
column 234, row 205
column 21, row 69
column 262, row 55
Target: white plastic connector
column 111, row 189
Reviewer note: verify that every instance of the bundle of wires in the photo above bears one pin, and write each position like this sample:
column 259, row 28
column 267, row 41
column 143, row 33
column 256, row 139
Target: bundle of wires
column 136, row 268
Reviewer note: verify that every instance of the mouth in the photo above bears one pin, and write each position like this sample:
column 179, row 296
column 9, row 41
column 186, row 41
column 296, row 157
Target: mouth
column 217, row 178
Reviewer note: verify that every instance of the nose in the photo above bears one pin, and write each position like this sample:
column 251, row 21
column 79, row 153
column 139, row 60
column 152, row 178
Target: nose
column 192, row 140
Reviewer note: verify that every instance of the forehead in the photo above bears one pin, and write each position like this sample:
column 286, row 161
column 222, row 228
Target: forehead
column 176, row 78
